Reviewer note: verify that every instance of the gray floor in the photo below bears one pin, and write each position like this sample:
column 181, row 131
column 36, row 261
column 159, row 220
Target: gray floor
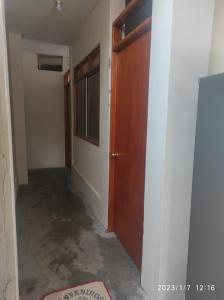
column 60, row 244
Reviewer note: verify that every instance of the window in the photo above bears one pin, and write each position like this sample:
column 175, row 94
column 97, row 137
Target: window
column 87, row 97
column 50, row 62
column 81, row 106
column 93, row 83
column 141, row 12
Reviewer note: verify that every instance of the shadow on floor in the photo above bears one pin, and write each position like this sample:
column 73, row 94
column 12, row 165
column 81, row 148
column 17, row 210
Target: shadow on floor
column 60, row 244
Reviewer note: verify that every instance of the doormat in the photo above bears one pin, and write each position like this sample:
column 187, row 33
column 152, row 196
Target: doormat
column 91, row 291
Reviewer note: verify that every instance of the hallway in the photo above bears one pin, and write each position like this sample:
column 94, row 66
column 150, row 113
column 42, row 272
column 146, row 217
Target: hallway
column 60, row 244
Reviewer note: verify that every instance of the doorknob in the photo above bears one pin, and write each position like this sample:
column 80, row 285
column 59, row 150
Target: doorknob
column 115, row 155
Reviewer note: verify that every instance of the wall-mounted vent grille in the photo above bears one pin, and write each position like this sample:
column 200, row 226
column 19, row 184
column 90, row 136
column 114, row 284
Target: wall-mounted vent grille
column 50, row 63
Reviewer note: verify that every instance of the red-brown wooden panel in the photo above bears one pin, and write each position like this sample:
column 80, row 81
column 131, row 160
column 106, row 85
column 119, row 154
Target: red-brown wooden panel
column 128, row 143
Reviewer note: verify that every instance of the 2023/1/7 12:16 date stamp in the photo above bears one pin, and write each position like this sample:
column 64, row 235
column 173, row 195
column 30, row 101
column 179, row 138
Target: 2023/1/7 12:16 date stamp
column 186, row 287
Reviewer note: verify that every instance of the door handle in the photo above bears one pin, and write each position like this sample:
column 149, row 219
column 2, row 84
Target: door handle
column 115, row 155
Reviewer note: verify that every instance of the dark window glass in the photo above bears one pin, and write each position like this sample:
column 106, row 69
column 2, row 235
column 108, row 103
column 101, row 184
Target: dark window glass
column 87, row 83
column 93, row 94
column 81, row 106
column 68, row 98
column 142, row 11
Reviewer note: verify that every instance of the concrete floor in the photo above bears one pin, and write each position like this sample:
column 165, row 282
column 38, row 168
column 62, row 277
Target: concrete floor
column 60, row 244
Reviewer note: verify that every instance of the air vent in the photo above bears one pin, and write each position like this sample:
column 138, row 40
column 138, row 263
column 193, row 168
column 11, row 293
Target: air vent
column 50, row 63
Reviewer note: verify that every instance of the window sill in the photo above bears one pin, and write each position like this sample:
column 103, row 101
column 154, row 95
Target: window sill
column 87, row 139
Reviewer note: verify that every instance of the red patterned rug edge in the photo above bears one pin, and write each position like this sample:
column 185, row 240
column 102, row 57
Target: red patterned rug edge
column 75, row 286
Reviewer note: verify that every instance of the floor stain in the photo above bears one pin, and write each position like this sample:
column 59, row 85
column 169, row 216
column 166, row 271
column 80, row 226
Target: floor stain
column 60, row 244
column 28, row 285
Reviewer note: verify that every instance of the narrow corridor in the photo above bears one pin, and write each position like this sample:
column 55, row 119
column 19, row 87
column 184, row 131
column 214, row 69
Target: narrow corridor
column 60, row 244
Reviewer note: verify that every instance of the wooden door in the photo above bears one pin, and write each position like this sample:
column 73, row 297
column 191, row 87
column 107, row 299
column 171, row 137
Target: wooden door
column 128, row 143
column 67, row 110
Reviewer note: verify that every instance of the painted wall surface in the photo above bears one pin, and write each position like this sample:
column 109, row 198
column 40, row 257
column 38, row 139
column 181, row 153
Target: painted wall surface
column 116, row 7
column 181, row 39
column 91, row 163
column 8, row 257
column 18, row 106
column 44, row 106
column 45, row 48
column 217, row 49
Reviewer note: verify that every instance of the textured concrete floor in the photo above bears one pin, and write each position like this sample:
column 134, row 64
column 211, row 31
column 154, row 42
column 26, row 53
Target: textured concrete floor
column 60, row 244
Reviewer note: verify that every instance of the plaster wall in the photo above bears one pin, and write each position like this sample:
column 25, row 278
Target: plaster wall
column 91, row 163
column 181, row 40
column 8, row 257
column 217, row 46
column 44, row 106
column 18, row 106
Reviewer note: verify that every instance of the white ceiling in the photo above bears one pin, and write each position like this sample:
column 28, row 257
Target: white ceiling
column 39, row 20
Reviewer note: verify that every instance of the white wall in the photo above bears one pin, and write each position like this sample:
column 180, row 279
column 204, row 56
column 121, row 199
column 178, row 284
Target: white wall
column 181, row 39
column 18, row 109
column 45, row 48
column 217, row 49
column 91, row 163
column 44, row 106
column 8, row 257
column 116, row 7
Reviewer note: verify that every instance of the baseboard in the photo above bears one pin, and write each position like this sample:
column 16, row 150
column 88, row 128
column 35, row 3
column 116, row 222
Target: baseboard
column 87, row 192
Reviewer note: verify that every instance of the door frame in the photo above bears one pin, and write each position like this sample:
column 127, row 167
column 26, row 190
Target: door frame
column 68, row 130
column 118, row 44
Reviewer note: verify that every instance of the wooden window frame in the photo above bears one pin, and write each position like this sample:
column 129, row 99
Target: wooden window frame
column 91, row 71
column 118, row 41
